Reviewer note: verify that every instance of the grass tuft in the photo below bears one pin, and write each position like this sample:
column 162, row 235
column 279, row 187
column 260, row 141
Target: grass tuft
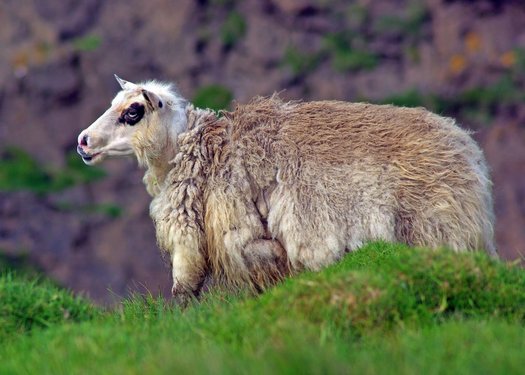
column 27, row 303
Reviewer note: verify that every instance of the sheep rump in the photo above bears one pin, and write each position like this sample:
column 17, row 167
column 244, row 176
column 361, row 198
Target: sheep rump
column 273, row 188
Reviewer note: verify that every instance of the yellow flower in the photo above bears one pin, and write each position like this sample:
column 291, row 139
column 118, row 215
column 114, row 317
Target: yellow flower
column 473, row 42
column 457, row 64
column 508, row 59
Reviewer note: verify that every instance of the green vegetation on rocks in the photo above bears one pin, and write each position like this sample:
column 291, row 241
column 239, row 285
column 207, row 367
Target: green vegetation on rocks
column 20, row 171
column 478, row 103
column 346, row 55
column 215, row 97
column 233, row 29
column 87, row 43
column 409, row 25
column 300, row 62
column 107, row 209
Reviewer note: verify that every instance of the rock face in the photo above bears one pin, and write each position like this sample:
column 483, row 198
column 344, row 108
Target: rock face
column 460, row 58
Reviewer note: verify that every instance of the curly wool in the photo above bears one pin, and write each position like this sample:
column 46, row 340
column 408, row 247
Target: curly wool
column 273, row 188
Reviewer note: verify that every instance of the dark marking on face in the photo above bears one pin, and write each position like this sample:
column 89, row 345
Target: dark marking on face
column 149, row 96
column 148, row 100
column 132, row 115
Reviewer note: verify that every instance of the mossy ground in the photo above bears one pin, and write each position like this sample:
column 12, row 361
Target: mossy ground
column 383, row 309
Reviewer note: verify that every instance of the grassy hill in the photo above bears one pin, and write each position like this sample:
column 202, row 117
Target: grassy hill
column 384, row 309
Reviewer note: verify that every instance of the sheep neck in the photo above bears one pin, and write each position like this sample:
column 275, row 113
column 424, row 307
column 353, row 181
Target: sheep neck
column 158, row 167
column 157, row 154
column 161, row 157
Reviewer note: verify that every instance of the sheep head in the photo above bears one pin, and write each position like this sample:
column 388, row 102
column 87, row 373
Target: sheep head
column 141, row 118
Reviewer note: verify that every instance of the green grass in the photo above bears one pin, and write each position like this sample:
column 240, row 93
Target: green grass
column 28, row 303
column 383, row 309
column 20, row 171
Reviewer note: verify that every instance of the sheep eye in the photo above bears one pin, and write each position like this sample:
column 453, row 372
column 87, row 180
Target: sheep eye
column 132, row 115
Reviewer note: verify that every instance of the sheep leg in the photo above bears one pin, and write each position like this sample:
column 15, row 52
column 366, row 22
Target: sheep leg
column 266, row 262
column 188, row 269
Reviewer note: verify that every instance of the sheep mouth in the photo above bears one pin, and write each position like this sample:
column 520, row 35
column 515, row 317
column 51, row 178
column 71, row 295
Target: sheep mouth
column 87, row 158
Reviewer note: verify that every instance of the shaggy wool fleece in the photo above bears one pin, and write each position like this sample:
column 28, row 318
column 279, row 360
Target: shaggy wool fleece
column 274, row 187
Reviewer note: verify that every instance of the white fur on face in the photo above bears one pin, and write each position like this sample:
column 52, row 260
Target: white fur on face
column 112, row 133
column 109, row 135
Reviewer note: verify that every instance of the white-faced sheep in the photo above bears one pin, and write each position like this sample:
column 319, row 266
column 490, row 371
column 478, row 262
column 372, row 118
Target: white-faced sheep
column 273, row 188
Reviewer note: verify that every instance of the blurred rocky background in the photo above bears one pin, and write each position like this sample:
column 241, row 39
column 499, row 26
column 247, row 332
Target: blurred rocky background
column 88, row 228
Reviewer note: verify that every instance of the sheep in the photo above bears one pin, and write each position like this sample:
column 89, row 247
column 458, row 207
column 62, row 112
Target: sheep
column 273, row 188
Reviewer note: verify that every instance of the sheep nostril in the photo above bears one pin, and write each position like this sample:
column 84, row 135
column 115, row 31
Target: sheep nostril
column 84, row 141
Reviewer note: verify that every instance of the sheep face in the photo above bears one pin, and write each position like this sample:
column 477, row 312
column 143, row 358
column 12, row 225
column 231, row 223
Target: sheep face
column 134, row 114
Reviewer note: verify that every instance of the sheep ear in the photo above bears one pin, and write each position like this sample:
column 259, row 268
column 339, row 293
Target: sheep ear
column 125, row 85
column 152, row 99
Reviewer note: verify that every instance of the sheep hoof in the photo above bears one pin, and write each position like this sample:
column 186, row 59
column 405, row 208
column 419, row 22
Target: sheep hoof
column 183, row 295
